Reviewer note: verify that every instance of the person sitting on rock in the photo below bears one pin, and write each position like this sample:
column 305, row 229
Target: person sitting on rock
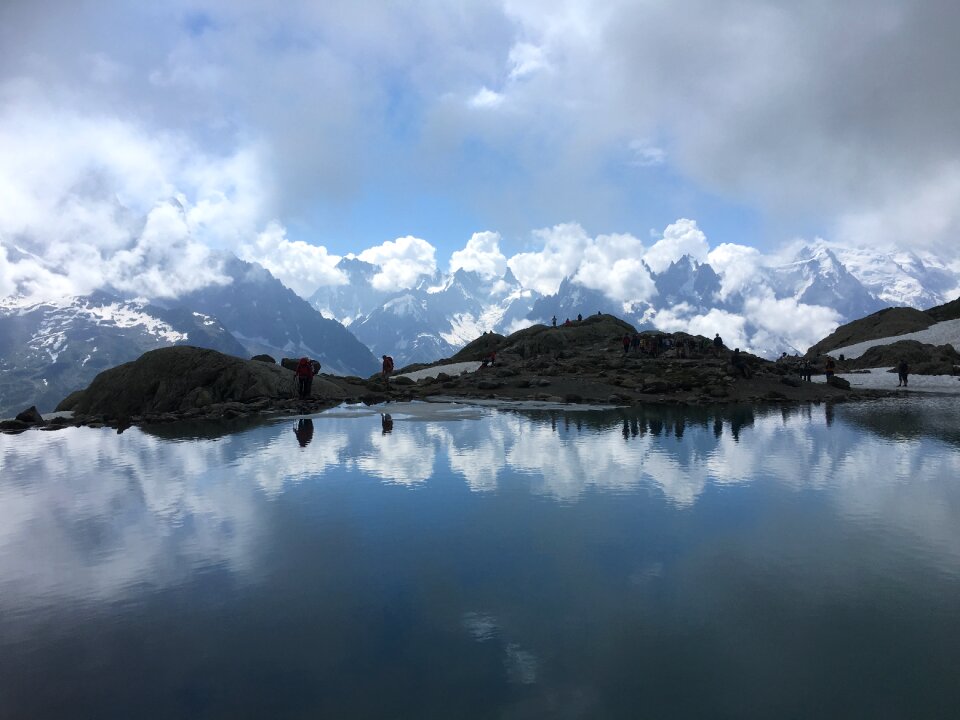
column 304, row 373
column 903, row 370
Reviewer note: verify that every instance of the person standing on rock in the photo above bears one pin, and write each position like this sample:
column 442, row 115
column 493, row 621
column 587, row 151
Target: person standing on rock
column 304, row 374
column 717, row 345
column 829, row 367
column 387, row 368
column 626, row 343
column 554, row 321
column 903, row 370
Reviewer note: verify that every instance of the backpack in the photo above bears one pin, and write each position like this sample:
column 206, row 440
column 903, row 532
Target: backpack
column 388, row 364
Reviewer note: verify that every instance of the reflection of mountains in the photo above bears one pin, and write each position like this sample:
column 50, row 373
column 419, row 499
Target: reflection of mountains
column 137, row 508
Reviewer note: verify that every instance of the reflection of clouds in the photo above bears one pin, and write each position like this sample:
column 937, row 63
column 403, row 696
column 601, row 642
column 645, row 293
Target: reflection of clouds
column 404, row 456
column 88, row 512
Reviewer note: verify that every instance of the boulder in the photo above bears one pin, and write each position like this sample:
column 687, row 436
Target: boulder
column 791, row 380
column 264, row 358
column 31, row 416
column 176, row 379
column 838, row 382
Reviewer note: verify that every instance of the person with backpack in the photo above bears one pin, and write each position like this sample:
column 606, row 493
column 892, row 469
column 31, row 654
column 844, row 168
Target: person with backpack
column 387, row 368
column 903, row 370
column 829, row 368
column 626, row 343
column 304, row 373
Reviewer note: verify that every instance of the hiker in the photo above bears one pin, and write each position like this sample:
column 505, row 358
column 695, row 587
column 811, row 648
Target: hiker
column 304, row 373
column 566, row 323
column 806, row 371
column 829, row 367
column 304, row 431
column 554, row 321
column 387, row 368
column 489, row 359
column 626, row 343
column 635, row 343
column 903, row 370
column 717, row 345
column 579, row 317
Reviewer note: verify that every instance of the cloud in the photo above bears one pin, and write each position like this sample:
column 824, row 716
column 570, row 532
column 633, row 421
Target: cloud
column 481, row 254
column 544, row 270
column 300, row 266
column 402, row 262
column 683, row 318
column 737, row 267
column 613, row 265
column 680, row 238
column 486, row 98
column 799, row 324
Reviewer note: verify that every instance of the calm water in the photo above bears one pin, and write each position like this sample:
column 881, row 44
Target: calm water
column 650, row 564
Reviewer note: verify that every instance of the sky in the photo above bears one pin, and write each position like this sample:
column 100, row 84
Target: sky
column 136, row 139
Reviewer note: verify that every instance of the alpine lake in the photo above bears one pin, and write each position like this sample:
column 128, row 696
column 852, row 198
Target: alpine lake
column 458, row 561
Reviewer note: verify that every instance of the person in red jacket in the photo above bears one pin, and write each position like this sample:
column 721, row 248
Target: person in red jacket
column 387, row 368
column 304, row 374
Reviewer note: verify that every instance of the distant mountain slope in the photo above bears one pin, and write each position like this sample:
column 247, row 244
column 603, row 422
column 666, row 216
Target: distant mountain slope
column 50, row 349
column 938, row 325
column 267, row 317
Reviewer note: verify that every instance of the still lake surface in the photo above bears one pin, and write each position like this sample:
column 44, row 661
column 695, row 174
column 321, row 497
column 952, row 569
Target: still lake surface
column 481, row 563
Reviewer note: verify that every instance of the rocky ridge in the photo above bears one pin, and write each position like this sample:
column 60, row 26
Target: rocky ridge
column 580, row 363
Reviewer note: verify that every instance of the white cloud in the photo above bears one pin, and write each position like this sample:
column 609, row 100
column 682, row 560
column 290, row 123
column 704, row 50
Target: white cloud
column 563, row 249
column 481, row 254
column 486, row 98
column 646, row 154
column 737, row 266
column 402, row 262
column 681, row 318
column 680, row 238
column 526, row 59
column 300, row 266
column 799, row 324
column 613, row 265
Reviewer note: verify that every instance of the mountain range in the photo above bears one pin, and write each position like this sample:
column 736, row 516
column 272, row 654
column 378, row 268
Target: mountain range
column 445, row 311
column 50, row 348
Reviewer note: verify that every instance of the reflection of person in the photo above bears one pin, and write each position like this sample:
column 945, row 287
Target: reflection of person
column 304, row 431
column 903, row 370
column 386, row 423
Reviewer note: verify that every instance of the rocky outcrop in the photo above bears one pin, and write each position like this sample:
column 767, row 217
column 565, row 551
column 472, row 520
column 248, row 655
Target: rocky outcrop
column 923, row 359
column 30, row 416
column 885, row 323
column 177, row 379
column 264, row 358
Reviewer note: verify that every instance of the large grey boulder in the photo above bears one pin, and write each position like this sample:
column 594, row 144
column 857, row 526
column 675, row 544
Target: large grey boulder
column 180, row 378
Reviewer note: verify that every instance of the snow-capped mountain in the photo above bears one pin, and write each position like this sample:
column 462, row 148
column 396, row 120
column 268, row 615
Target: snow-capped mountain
column 902, row 277
column 50, row 349
column 817, row 277
column 427, row 322
column 444, row 312
column 265, row 316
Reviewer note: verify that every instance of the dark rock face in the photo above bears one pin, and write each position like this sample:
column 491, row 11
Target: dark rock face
column 30, row 416
column 264, row 358
column 181, row 378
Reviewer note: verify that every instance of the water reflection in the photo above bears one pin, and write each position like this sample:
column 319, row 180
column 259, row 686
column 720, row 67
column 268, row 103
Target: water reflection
column 502, row 546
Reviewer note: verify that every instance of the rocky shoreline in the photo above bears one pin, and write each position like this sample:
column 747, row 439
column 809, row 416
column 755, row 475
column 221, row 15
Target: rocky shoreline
column 582, row 363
